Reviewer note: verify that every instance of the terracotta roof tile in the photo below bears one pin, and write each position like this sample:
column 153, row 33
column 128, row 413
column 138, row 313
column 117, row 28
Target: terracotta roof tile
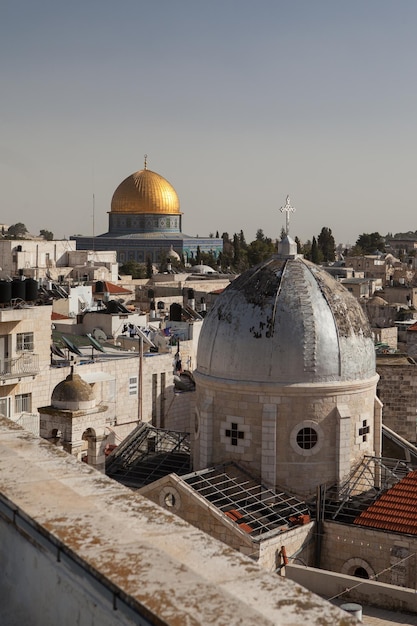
column 395, row 510
column 58, row 316
column 112, row 289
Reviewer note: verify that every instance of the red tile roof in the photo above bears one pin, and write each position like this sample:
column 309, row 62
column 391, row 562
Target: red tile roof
column 111, row 288
column 395, row 510
column 59, row 316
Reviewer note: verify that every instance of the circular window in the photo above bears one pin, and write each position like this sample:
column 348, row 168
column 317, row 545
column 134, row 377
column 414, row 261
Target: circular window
column 169, row 499
column 307, row 438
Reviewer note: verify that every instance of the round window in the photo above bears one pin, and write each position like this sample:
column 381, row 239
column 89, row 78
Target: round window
column 307, row 438
column 169, row 499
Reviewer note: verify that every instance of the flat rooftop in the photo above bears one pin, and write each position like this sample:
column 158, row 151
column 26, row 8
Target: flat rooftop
column 153, row 562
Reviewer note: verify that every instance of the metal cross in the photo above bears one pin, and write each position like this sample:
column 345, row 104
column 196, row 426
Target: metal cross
column 287, row 209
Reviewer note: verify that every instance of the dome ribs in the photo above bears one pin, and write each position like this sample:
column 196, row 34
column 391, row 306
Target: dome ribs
column 305, row 304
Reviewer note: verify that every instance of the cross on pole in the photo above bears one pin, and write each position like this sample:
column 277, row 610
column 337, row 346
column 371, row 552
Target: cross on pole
column 287, row 209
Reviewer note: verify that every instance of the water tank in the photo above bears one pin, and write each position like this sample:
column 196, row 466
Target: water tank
column 5, row 291
column 190, row 294
column 151, row 294
column 31, row 289
column 175, row 311
column 18, row 288
column 100, row 286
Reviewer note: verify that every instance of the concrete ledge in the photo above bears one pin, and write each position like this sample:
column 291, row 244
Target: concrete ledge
column 363, row 591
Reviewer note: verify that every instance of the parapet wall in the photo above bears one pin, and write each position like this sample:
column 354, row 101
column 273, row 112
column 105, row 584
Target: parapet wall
column 77, row 547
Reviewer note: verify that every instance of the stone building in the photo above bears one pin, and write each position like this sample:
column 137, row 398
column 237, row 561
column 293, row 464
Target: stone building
column 286, row 380
column 145, row 222
column 287, row 415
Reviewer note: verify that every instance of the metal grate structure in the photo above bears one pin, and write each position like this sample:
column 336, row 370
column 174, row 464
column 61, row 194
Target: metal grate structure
column 372, row 477
column 149, row 454
column 255, row 508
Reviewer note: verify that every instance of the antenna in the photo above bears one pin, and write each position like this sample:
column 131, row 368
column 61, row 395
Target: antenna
column 94, row 213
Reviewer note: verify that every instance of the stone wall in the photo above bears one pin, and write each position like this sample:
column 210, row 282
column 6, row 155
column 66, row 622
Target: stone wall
column 78, row 548
column 397, row 390
column 389, row 557
column 176, row 496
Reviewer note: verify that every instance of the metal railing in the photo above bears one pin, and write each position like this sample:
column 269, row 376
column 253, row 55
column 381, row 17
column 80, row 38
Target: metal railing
column 26, row 364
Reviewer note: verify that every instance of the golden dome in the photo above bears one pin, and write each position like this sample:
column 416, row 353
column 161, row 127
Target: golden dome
column 145, row 192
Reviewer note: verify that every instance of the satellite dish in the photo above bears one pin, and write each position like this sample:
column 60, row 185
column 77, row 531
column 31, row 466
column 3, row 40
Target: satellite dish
column 99, row 334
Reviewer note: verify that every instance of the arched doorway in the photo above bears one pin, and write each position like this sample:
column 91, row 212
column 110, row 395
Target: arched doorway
column 89, row 447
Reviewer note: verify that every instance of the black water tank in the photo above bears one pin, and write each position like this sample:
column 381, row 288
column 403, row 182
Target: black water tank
column 190, row 294
column 31, row 289
column 5, row 291
column 18, row 288
column 175, row 311
column 151, row 294
column 100, row 286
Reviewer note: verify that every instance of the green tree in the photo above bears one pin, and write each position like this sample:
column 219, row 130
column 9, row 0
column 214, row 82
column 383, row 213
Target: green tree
column 134, row 269
column 326, row 244
column 149, row 267
column 315, row 252
column 198, row 256
column 46, row 234
column 368, row 243
column 17, row 231
column 298, row 242
column 260, row 250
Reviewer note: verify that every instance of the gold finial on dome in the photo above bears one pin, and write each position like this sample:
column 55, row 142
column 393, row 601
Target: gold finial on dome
column 146, row 162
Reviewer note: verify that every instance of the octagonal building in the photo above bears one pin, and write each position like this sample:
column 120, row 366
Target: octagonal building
column 145, row 222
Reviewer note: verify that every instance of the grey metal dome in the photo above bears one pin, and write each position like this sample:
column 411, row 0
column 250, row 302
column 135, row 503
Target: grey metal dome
column 286, row 321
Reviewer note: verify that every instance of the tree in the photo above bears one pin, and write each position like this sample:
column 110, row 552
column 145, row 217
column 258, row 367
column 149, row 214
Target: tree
column 260, row 250
column 198, row 255
column 134, row 269
column 368, row 243
column 326, row 244
column 298, row 242
column 46, row 234
column 315, row 253
column 17, row 231
column 149, row 267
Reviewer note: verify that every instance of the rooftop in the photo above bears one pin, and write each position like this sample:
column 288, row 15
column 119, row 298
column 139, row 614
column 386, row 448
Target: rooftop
column 143, row 557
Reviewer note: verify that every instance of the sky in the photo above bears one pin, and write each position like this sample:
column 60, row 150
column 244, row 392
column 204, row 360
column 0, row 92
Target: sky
column 237, row 104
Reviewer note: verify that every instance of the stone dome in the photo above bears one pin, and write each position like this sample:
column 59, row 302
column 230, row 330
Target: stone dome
column 145, row 192
column 73, row 393
column 287, row 322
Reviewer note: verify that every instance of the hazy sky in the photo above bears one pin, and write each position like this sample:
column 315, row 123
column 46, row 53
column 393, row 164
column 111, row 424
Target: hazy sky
column 236, row 103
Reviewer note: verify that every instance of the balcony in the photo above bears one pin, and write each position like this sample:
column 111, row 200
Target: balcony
column 12, row 370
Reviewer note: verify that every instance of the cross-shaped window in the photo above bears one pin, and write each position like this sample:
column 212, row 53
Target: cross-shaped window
column 234, row 434
column 363, row 432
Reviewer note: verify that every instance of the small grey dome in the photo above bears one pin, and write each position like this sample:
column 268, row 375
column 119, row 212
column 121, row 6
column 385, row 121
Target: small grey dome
column 73, row 393
column 286, row 321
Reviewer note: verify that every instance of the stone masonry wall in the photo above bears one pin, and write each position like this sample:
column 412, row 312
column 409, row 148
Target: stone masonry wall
column 397, row 390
